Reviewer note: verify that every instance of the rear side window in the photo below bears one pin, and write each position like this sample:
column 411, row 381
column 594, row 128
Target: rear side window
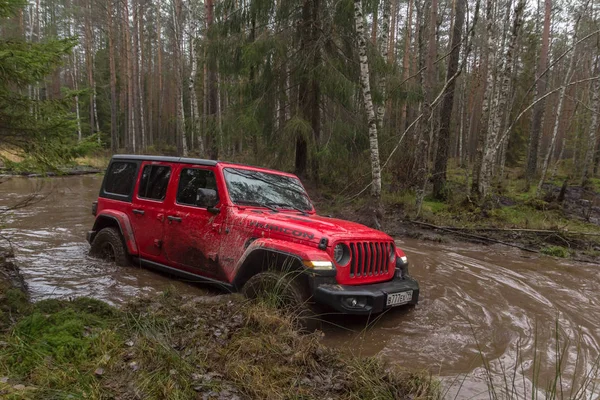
column 154, row 182
column 120, row 178
column 190, row 181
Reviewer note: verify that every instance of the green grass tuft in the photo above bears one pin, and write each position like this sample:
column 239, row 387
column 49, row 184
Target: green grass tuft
column 556, row 251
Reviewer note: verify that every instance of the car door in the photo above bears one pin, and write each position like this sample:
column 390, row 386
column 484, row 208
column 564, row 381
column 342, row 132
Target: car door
column 148, row 211
column 194, row 222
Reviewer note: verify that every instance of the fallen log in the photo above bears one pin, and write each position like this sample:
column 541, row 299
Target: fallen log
column 484, row 238
column 561, row 232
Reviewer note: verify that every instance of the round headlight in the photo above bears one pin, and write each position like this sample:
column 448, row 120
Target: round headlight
column 392, row 253
column 341, row 254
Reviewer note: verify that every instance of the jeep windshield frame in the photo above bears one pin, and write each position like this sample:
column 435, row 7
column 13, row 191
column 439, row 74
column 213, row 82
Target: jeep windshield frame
column 247, row 187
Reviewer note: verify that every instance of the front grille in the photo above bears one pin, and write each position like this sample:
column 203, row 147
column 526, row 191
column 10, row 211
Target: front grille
column 369, row 258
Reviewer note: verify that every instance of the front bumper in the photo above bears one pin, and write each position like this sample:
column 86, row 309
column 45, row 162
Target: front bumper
column 369, row 298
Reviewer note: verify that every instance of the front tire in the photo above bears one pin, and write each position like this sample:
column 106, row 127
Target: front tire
column 108, row 245
column 286, row 292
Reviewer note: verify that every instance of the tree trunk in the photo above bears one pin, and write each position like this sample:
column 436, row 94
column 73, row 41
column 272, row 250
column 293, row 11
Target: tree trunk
column 366, row 90
column 540, row 90
column 213, row 141
column 593, row 128
column 309, row 89
column 89, row 62
column 406, row 64
column 178, row 59
column 159, row 72
column 218, row 110
column 441, row 160
column 427, row 120
column 374, row 27
column 391, row 54
column 136, row 71
column 499, row 105
column 140, row 80
column 487, row 93
column 131, row 131
column 194, row 100
column 385, row 27
column 559, row 107
column 74, row 78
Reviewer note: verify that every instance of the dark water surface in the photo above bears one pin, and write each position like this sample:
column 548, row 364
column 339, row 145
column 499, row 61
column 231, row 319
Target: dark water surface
column 496, row 301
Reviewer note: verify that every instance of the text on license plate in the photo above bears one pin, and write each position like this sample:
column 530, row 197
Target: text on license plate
column 396, row 299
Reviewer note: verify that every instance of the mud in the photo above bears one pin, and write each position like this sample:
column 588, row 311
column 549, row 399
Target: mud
column 579, row 202
column 505, row 304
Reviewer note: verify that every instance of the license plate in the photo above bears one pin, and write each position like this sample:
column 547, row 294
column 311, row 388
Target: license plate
column 397, row 299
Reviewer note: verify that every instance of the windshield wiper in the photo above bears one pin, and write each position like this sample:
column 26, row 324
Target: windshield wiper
column 256, row 203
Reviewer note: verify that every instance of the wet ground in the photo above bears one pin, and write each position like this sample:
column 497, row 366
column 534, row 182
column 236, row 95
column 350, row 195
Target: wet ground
column 495, row 301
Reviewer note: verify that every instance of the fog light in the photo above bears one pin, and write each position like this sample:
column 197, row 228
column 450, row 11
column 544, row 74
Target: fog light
column 356, row 302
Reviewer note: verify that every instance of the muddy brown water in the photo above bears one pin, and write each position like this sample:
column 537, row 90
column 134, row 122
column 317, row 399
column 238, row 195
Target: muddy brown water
column 495, row 301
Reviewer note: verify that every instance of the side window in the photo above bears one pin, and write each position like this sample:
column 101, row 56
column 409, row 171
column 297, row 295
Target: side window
column 154, row 182
column 197, row 187
column 120, row 178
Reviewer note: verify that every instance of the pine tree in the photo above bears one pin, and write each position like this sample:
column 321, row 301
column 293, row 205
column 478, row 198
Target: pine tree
column 35, row 127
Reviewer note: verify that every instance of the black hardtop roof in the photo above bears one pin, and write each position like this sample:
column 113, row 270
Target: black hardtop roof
column 185, row 160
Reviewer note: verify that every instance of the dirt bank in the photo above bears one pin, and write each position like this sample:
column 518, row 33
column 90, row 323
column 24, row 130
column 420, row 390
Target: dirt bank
column 170, row 346
column 14, row 301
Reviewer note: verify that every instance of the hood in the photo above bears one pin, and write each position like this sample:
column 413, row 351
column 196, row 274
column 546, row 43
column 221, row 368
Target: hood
column 308, row 227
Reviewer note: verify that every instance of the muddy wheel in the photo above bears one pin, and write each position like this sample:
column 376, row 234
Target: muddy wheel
column 108, row 245
column 286, row 292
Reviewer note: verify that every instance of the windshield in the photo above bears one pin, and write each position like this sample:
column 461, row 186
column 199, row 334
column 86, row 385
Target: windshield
column 268, row 190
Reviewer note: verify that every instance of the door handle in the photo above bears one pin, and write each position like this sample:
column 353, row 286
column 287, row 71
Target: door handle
column 174, row 218
column 139, row 212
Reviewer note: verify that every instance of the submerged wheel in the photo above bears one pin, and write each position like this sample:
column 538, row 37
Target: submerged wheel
column 108, row 245
column 286, row 292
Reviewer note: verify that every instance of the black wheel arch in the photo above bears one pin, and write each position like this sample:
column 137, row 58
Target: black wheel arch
column 260, row 260
column 104, row 221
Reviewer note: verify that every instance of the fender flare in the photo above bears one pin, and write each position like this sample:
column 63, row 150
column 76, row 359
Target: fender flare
column 122, row 221
column 289, row 250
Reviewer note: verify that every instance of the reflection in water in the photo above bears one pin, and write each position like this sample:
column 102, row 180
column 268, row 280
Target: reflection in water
column 49, row 240
column 494, row 300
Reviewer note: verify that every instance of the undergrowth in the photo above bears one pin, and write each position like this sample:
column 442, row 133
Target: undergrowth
column 183, row 348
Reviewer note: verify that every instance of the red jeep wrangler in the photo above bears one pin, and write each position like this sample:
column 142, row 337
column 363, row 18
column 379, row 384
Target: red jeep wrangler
column 244, row 228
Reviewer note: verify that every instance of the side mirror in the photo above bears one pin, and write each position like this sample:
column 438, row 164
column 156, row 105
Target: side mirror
column 206, row 198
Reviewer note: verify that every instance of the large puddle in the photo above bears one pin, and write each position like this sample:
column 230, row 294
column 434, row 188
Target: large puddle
column 496, row 301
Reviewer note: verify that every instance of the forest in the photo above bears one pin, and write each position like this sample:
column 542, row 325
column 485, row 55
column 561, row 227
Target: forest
column 359, row 96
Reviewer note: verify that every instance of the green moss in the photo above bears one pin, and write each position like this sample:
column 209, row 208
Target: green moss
column 435, row 206
column 59, row 345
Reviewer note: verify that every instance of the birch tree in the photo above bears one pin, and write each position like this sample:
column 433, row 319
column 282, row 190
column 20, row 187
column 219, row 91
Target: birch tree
column 494, row 138
column 368, row 102
column 489, row 56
